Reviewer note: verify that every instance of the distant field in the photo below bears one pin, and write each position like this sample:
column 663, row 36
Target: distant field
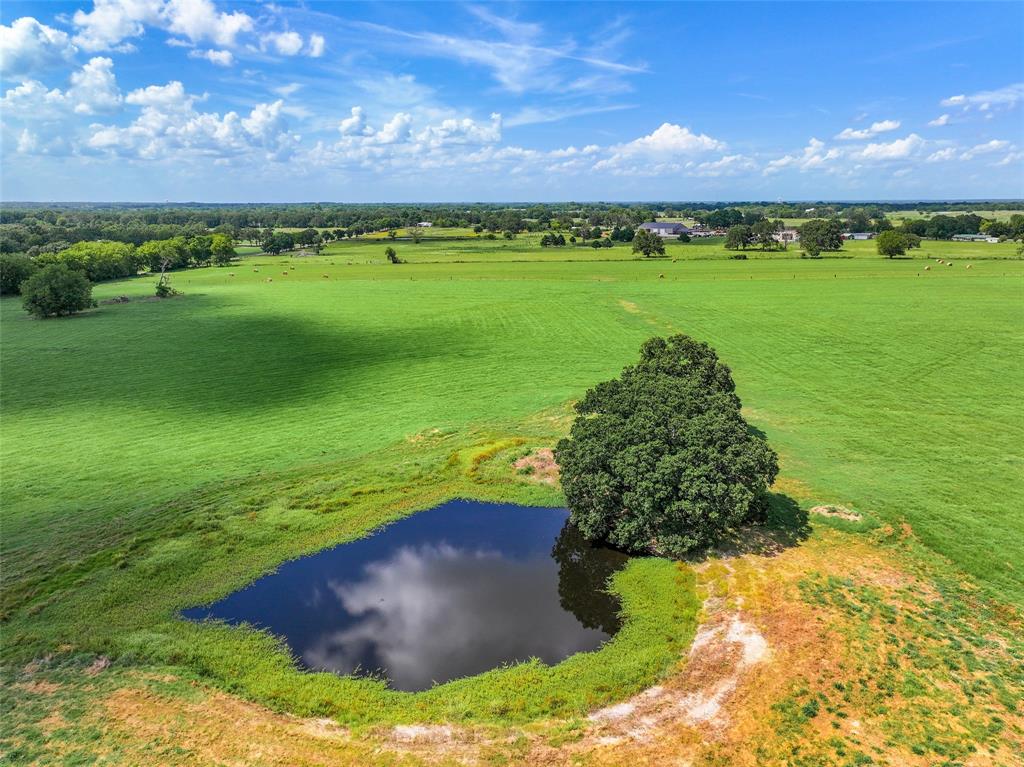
column 426, row 232
column 1000, row 215
column 526, row 247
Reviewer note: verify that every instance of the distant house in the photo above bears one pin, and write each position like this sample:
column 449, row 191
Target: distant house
column 666, row 228
column 424, row 224
column 786, row 236
column 974, row 238
column 859, row 236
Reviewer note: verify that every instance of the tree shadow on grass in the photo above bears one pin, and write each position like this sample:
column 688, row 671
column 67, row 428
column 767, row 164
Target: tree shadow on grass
column 785, row 525
column 198, row 354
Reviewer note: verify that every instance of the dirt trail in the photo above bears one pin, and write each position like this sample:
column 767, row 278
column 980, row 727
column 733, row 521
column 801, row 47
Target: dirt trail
column 725, row 647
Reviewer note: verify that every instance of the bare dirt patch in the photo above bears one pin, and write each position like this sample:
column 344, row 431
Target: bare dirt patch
column 539, row 466
column 39, row 687
column 837, row 512
column 98, row 665
column 629, row 306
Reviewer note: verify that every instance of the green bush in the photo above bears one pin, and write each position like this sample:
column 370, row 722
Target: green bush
column 56, row 291
column 15, row 268
column 660, row 459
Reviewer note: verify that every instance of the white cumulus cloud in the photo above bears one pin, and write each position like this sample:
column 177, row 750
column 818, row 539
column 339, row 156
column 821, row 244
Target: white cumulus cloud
column 111, row 22
column 354, row 124
column 93, row 90
column 316, row 46
column 893, row 150
column 283, row 43
column 27, row 46
column 995, row 145
column 220, row 58
column 883, row 126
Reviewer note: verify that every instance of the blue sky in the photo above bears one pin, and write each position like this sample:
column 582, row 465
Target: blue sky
column 153, row 100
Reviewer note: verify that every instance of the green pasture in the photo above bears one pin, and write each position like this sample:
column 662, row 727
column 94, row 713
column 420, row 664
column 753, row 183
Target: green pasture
column 526, row 247
column 999, row 215
column 158, row 454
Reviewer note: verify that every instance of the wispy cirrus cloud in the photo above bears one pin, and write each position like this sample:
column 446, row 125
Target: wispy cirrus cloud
column 519, row 63
column 535, row 115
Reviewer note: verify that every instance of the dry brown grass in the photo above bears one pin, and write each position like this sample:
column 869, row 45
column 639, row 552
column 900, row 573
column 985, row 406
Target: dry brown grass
column 539, row 466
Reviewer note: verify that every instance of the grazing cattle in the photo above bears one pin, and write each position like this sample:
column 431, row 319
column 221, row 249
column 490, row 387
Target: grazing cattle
column 326, row 276
column 255, row 270
column 927, row 268
column 270, row 279
column 231, row 274
column 968, row 266
column 284, row 274
column 661, row 276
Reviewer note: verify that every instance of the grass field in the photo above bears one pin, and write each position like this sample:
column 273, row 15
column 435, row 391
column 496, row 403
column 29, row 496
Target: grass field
column 161, row 453
column 999, row 215
column 526, row 247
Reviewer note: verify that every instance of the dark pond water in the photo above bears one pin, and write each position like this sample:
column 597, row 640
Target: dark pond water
column 445, row 593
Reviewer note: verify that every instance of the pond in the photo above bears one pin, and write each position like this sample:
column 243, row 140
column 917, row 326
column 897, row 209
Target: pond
column 446, row 593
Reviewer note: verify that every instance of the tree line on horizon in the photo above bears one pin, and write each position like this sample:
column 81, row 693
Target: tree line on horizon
column 26, row 226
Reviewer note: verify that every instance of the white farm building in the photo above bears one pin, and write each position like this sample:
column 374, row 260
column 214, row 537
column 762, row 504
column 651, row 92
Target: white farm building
column 666, row 228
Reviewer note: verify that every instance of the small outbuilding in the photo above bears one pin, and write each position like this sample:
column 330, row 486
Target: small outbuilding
column 859, row 236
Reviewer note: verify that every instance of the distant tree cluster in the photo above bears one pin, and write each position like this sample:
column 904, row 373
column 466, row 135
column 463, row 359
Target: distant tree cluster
column 943, row 227
column 1012, row 229
column 15, row 268
column 552, row 241
column 760, row 234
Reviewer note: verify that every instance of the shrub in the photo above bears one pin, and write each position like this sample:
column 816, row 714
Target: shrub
column 55, row 291
column 660, row 458
column 15, row 268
